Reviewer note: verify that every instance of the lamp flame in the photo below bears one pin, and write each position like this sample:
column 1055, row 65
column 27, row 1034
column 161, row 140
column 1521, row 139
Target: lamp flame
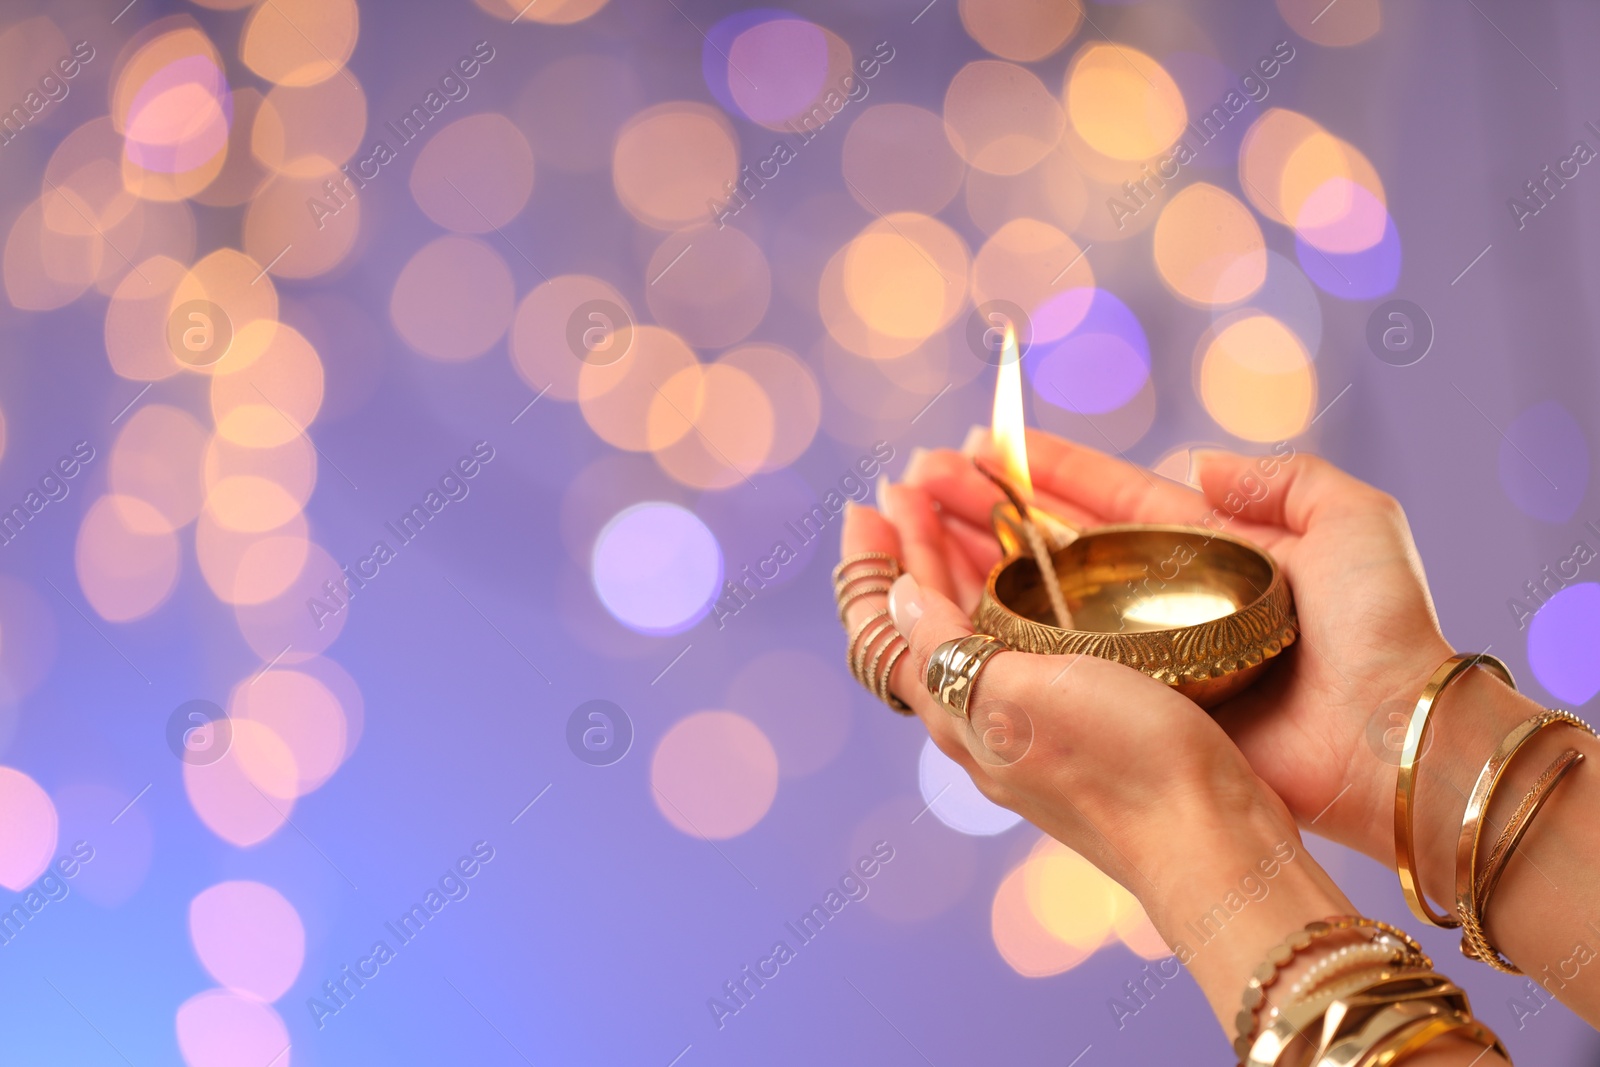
column 1007, row 427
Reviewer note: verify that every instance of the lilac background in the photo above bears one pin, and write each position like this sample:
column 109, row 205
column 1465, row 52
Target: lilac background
column 599, row 931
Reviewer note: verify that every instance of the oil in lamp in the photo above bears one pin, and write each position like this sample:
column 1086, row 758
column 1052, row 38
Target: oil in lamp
column 1202, row 611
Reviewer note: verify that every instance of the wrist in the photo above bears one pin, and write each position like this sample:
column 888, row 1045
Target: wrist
column 1208, row 847
column 1235, row 881
column 1390, row 705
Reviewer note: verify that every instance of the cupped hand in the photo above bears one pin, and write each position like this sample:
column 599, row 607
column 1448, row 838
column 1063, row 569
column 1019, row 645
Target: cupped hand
column 1105, row 759
column 1368, row 632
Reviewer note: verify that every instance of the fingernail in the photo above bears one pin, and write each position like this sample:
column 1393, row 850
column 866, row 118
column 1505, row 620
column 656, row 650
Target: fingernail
column 976, row 437
column 905, row 603
column 883, row 494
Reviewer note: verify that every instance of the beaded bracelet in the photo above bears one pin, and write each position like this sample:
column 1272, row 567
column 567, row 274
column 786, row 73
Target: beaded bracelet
column 1347, row 959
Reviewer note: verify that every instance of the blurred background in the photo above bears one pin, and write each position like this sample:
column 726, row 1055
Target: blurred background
column 392, row 395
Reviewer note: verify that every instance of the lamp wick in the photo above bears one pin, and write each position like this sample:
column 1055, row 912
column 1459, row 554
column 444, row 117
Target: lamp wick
column 1041, row 553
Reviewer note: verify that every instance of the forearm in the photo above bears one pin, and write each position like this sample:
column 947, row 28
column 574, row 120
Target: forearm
column 1235, row 885
column 1239, row 884
column 1545, row 914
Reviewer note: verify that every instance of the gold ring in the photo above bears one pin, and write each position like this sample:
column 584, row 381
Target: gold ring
column 865, row 637
column 862, row 557
column 862, row 575
column 875, row 589
column 862, row 642
column 900, row 649
column 953, row 670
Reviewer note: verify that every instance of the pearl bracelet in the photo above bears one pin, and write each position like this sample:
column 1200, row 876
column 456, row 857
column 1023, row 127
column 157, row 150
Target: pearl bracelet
column 1347, row 959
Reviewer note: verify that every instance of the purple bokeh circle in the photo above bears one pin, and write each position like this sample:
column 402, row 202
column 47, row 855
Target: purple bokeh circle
column 1363, row 275
column 191, row 153
column 719, row 41
column 1102, row 362
column 1564, row 644
column 777, row 68
column 657, row 568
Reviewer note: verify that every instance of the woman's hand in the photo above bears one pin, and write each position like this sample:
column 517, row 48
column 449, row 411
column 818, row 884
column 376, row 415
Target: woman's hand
column 1113, row 764
column 1369, row 635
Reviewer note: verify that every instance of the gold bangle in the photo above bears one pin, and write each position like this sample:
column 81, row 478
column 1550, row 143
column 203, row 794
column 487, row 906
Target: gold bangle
column 1371, row 1020
column 1390, row 1033
column 1266, row 973
column 1474, row 942
column 1322, row 1018
column 1405, row 851
column 1402, row 1029
column 1521, row 822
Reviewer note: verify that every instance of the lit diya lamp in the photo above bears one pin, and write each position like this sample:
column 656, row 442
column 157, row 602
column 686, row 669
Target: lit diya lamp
column 1202, row 611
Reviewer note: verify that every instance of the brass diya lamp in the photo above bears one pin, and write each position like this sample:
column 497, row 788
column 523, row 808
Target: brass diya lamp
column 1202, row 611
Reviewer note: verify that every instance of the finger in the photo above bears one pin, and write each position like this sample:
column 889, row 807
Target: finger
column 958, row 486
column 926, row 620
column 865, row 530
column 921, row 536
column 1288, row 492
column 1111, row 488
column 973, row 554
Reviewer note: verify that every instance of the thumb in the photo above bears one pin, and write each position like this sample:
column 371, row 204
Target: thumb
column 927, row 619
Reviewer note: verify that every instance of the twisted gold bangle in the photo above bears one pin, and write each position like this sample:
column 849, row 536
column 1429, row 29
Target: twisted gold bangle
column 1474, row 942
column 1520, row 822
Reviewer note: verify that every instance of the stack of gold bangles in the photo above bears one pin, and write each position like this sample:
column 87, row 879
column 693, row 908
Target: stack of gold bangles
column 1474, row 885
column 875, row 646
column 1365, row 1004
